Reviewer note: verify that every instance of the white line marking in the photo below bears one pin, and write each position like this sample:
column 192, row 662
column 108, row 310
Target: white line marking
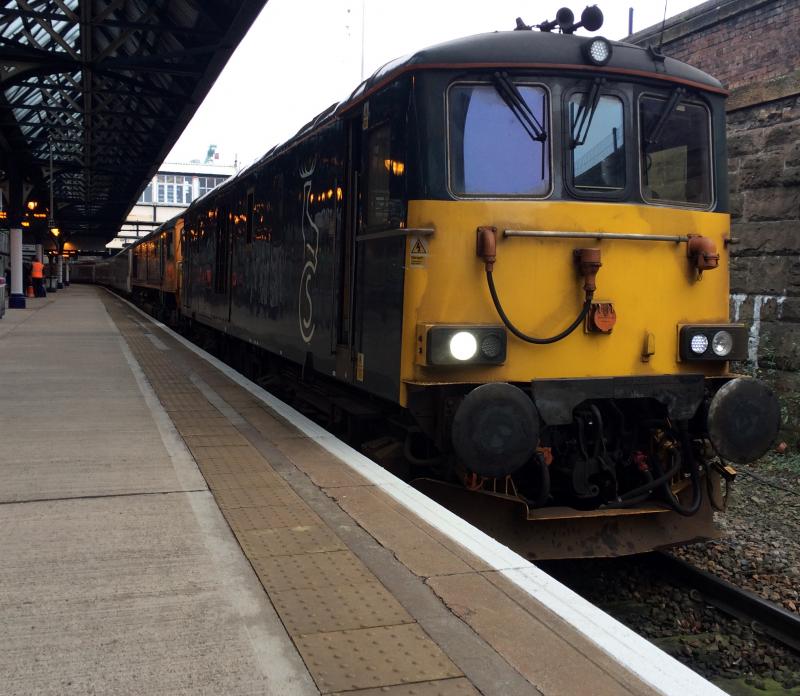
column 651, row 664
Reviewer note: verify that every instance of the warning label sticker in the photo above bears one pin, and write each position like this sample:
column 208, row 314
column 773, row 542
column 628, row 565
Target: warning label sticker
column 418, row 253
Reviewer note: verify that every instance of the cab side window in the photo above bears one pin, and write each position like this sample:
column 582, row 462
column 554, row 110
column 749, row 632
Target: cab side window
column 383, row 188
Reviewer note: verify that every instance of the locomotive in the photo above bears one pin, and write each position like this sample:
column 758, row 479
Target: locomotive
column 514, row 246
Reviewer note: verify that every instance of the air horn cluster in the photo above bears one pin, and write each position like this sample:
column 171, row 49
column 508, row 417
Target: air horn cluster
column 591, row 20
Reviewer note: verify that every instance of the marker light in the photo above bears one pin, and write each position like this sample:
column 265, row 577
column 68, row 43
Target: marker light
column 491, row 346
column 598, row 50
column 463, row 345
column 722, row 343
column 699, row 344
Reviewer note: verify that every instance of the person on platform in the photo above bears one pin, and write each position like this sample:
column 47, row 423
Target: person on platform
column 37, row 276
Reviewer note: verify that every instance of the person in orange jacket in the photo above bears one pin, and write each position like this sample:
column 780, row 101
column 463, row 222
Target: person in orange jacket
column 37, row 276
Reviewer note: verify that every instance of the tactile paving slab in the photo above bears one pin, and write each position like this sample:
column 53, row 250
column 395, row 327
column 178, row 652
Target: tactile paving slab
column 285, row 541
column 232, row 498
column 374, row 657
column 259, row 478
column 271, row 517
column 243, row 454
column 312, row 570
column 201, row 426
column 325, row 609
column 247, row 462
column 231, row 438
column 441, row 687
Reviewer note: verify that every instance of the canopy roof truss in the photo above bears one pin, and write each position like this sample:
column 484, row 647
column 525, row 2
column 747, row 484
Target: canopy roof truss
column 107, row 86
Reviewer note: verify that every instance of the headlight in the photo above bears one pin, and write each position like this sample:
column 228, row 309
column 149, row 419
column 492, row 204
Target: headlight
column 722, row 343
column 713, row 342
column 699, row 344
column 439, row 344
column 597, row 50
column 463, row 346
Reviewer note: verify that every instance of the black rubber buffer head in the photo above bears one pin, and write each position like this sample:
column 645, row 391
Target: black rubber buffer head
column 495, row 429
column 744, row 419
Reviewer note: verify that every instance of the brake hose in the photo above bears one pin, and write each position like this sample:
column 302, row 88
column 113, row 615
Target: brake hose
column 587, row 305
column 694, row 474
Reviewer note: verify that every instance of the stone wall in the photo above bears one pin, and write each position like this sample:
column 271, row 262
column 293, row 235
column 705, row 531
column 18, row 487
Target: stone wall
column 753, row 47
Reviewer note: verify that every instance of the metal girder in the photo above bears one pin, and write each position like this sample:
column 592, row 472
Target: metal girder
column 108, row 85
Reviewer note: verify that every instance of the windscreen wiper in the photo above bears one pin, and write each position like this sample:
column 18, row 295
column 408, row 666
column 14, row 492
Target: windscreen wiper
column 653, row 136
column 586, row 111
column 511, row 96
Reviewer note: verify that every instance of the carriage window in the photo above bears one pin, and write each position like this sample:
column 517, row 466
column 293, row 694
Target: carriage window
column 598, row 135
column 250, row 216
column 492, row 153
column 378, row 176
column 676, row 152
column 222, row 250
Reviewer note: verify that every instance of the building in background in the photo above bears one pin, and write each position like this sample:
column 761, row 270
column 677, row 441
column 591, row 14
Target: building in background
column 171, row 190
column 751, row 46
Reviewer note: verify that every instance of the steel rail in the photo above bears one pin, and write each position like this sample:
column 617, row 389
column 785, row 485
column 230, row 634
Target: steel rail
column 772, row 619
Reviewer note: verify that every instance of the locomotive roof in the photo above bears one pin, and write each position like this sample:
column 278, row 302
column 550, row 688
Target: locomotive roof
column 541, row 50
column 532, row 50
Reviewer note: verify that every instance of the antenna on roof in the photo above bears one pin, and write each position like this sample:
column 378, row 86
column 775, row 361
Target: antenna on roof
column 656, row 53
column 663, row 24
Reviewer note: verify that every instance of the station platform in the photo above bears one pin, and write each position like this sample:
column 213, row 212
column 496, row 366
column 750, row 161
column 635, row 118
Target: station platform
column 170, row 528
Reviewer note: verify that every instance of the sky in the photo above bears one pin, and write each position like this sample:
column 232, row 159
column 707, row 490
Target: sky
column 301, row 56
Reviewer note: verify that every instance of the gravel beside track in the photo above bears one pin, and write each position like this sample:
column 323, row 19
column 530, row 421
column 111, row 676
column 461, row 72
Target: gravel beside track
column 760, row 547
column 734, row 655
column 759, row 551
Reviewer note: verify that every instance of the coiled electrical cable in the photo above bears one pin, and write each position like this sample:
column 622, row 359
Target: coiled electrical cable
column 587, row 305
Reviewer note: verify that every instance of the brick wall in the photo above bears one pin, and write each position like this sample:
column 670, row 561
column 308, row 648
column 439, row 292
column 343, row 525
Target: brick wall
column 737, row 42
column 753, row 48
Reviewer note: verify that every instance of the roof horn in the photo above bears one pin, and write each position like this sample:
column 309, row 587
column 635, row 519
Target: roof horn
column 591, row 20
column 564, row 19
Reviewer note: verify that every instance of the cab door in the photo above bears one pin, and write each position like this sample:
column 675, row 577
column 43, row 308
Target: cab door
column 372, row 315
column 346, row 355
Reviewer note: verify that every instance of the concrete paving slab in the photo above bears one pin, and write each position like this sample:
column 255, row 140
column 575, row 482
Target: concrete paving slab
column 415, row 549
column 123, row 576
column 554, row 665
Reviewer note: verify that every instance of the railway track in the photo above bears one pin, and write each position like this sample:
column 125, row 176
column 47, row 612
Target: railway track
column 762, row 615
column 738, row 640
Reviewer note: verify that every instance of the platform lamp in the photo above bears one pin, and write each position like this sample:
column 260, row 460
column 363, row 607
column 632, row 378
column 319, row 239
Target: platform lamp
column 52, row 280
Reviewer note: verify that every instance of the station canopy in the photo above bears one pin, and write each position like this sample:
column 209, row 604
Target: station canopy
column 108, row 86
